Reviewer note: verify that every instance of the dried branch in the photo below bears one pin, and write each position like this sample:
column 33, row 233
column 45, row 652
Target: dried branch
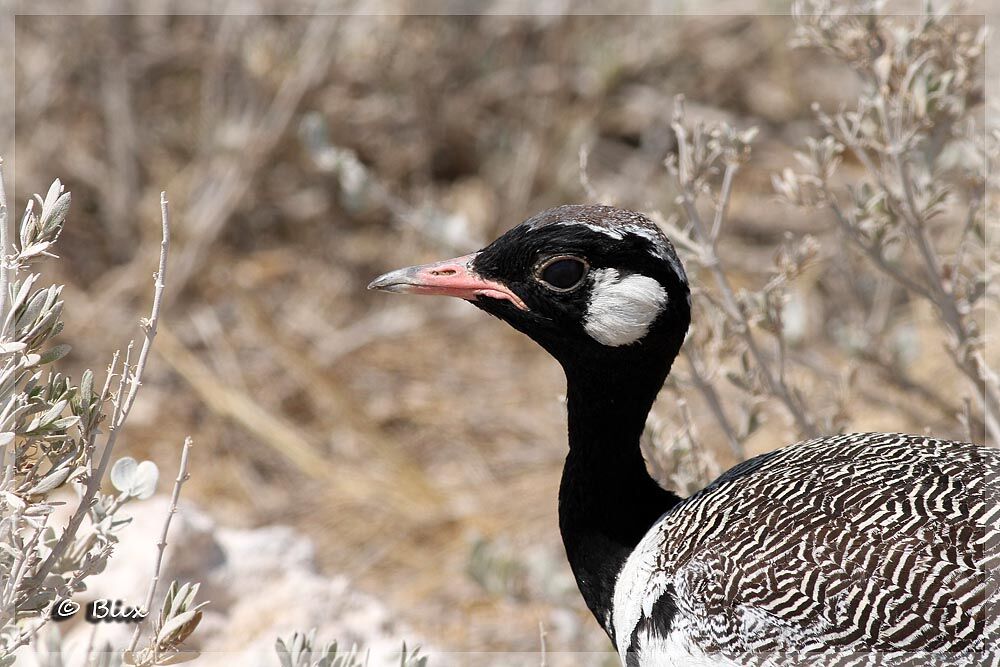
column 714, row 403
column 921, row 87
column 689, row 182
column 161, row 544
column 123, row 407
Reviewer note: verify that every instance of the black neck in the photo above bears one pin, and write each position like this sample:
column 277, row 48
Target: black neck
column 607, row 500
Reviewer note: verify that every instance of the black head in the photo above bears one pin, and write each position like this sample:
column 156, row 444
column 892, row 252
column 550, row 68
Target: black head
column 596, row 286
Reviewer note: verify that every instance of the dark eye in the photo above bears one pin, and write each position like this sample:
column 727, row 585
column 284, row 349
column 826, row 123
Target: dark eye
column 562, row 273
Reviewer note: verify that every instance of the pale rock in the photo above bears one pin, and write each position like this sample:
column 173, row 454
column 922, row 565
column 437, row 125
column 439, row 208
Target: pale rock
column 262, row 584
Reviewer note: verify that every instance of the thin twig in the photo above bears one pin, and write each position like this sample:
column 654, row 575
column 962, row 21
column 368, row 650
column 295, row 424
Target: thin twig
column 91, row 640
column 714, row 404
column 774, row 384
column 541, row 639
column 585, row 183
column 124, row 407
column 872, row 252
column 941, row 295
column 161, row 545
column 975, row 203
column 723, row 204
column 932, row 265
column 121, row 181
column 966, row 419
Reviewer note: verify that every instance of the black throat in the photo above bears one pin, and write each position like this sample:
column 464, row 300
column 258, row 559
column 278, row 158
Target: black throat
column 607, row 500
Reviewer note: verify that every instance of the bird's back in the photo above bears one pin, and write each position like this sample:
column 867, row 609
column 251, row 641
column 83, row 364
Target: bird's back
column 861, row 547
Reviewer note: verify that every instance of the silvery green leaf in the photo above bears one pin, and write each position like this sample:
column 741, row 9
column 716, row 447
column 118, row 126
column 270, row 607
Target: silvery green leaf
column 37, row 600
column 55, row 353
column 51, row 481
column 12, row 500
column 64, row 423
column 23, row 290
column 806, row 161
column 123, row 472
column 283, row 653
column 11, row 347
column 28, row 223
column 87, row 384
column 175, row 631
column 101, row 562
column 188, row 591
column 33, row 309
column 144, row 480
column 168, row 601
column 920, row 96
column 35, row 249
column 52, row 293
column 182, row 596
column 52, row 413
column 50, row 196
column 6, row 438
column 54, row 217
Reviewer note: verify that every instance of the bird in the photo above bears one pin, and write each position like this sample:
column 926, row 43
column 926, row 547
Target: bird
column 852, row 549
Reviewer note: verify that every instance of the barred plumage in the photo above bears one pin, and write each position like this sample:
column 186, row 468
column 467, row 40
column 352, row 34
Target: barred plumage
column 863, row 549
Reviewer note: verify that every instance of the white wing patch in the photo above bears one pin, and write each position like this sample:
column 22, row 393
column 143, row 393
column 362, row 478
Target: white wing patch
column 635, row 590
column 676, row 650
column 621, row 310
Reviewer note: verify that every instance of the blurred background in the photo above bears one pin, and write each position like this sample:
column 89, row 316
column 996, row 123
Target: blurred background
column 417, row 443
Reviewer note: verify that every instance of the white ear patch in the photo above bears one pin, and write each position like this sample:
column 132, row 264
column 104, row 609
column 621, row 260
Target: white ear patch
column 621, row 310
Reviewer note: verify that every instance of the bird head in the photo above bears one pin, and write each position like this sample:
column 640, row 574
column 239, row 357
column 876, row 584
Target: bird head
column 596, row 286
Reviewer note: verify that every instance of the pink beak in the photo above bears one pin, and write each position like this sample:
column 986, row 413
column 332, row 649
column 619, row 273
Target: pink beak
column 452, row 277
